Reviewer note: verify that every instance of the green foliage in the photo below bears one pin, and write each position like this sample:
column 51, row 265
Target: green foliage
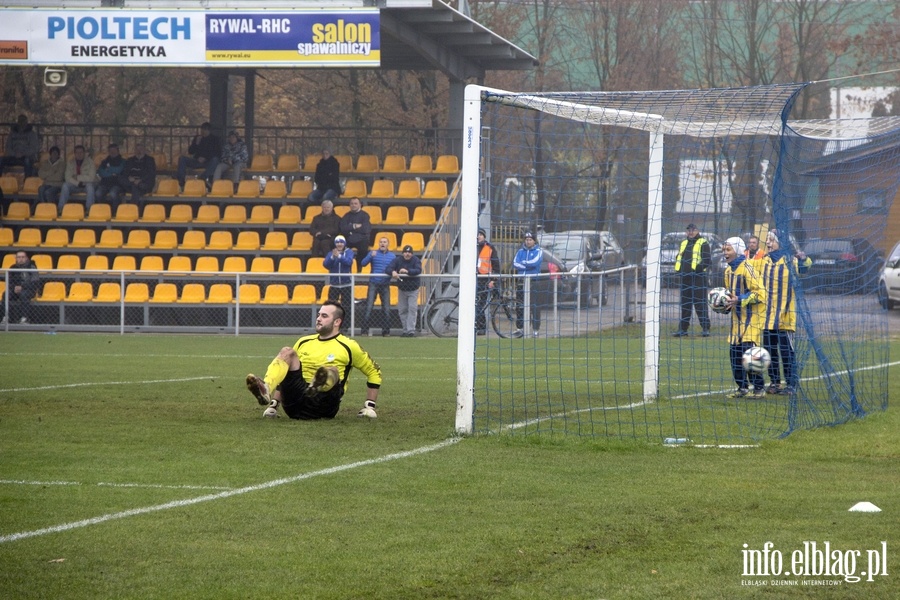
column 271, row 508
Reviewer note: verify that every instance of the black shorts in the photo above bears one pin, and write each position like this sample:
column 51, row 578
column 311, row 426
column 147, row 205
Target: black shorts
column 298, row 405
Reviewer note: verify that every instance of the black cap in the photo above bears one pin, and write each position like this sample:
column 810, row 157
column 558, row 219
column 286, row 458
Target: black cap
column 691, row 226
column 233, row 133
column 482, row 232
column 205, row 125
column 528, row 234
column 407, row 248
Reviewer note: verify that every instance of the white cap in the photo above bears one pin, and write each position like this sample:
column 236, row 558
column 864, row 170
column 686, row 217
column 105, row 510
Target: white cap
column 736, row 243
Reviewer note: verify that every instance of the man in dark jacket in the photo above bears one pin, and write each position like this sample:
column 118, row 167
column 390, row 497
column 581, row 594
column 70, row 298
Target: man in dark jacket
column 405, row 271
column 323, row 228
column 23, row 287
column 691, row 264
column 356, row 226
column 22, row 147
column 205, row 149
column 327, row 179
column 110, row 172
column 488, row 264
column 139, row 175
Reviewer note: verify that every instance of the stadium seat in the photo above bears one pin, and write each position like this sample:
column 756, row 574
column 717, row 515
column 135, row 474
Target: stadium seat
column 394, row 163
column 423, row 215
column 235, row 214
column 290, row 265
column 180, row 213
column 126, row 213
column 415, row 239
column 96, row 262
column 9, row 260
column 346, row 163
column 311, row 212
column 396, row 215
column 138, row 239
column 167, row 188
column 220, row 240
column 194, row 188
column 68, row 262
column 29, row 237
column 179, row 265
column 355, row 187
column 153, row 213
column 367, row 163
column 289, row 214
column 6, row 237
column 248, row 293
column 341, row 210
column 374, row 214
column 261, row 214
column 409, row 189
column 164, row 293
column 162, row 160
column 18, row 211
column 304, row 293
column 275, row 240
column 137, row 293
column 124, row 263
column 44, row 262
column 10, row 185
column 248, row 188
column 287, row 163
column 80, row 291
column 206, row 264
column 53, row 291
column 436, row 189
column 108, row 292
column 420, row 163
column 382, row 188
column 98, row 213
column 262, row 264
column 223, row 188
column 31, row 185
column 301, row 241
column 56, row 238
column 220, row 293
column 44, row 211
column 262, row 162
column 447, row 164
column 276, row 293
column 234, row 264
column 151, row 262
column 301, row 188
column 391, row 236
column 165, row 239
column 247, row 240
column 192, row 293
column 72, row 213
column 315, row 265
column 207, row 214
column 275, row 188
column 193, row 239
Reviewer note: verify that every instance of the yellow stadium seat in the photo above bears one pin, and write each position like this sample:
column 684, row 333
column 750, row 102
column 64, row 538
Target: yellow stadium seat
column 234, row 264
column 346, row 162
column 436, row 189
column 43, row 262
column 194, row 188
column 261, row 213
column 223, row 188
column 54, row 291
column 301, row 188
column 56, row 238
column 367, row 163
column 207, row 213
column 234, row 214
column 72, row 213
column 8, row 261
column 287, row 163
column 152, row 262
column 80, row 291
column 262, row 264
column 275, row 240
column 179, row 265
column 423, row 215
column 31, row 185
column 165, row 239
column 310, row 161
column 18, row 211
column 137, row 239
column 382, row 188
column 276, row 293
column 153, row 213
column 420, row 163
column 206, row 264
column 301, row 241
column 137, row 293
column 311, row 212
column 447, row 163
column 220, row 240
column 6, row 237
column 247, row 240
column 355, row 187
column 124, row 263
column 98, row 213
column 164, row 293
column 275, row 188
column 262, row 162
column 415, row 239
column 289, row 214
column 315, row 265
column 248, row 293
column 248, row 188
column 409, row 189
column 396, row 215
column 108, row 292
column 220, row 293
column 29, row 236
column 126, row 213
column 391, row 236
column 290, row 265
column 180, row 213
column 374, row 214
column 304, row 293
column 394, row 163
column 44, row 211
column 167, row 188
column 162, row 160
column 341, row 210
column 96, row 262
column 192, row 293
column 68, row 262
column 9, row 185
column 193, row 239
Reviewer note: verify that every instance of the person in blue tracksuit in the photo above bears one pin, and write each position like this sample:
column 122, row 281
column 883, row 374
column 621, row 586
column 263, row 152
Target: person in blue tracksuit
column 339, row 263
column 527, row 263
column 379, row 286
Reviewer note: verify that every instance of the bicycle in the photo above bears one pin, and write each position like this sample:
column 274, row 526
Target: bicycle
column 442, row 316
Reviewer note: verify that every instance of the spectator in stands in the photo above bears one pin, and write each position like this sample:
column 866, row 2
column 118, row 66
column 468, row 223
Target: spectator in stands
column 339, row 263
column 139, row 175
column 205, row 150
column 110, row 174
column 324, row 227
column 81, row 175
column 356, row 226
column 22, row 147
column 23, row 287
column 53, row 173
column 234, row 158
column 404, row 271
column 379, row 286
column 326, row 179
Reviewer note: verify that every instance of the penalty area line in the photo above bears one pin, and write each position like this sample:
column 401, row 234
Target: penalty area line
column 222, row 495
column 98, row 383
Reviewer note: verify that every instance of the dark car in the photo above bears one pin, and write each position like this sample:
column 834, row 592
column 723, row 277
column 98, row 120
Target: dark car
column 842, row 265
column 582, row 254
column 671, row 242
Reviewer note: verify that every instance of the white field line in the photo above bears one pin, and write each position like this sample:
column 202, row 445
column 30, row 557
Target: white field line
column 222, row 495
column 116, row 485
column 102, row 383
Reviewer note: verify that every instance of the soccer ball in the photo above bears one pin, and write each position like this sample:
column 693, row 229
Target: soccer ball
column 716, row 298
column 756, row 359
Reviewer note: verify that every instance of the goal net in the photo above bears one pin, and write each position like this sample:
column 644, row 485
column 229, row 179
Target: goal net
column 607, row 184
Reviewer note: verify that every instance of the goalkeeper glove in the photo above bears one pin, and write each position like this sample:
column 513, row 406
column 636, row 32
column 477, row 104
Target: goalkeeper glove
column 368, row 410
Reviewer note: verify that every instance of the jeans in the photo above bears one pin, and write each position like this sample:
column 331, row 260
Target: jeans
column 383, row 291
column 67, row 190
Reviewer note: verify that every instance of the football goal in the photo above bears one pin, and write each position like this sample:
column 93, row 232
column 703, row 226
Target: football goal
column 606, row 183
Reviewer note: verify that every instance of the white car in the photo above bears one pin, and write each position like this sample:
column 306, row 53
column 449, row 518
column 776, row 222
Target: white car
column 889, row 281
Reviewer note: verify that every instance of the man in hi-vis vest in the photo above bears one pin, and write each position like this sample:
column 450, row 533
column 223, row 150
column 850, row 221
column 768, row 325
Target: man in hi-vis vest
column 691, row 264
column 487, row 264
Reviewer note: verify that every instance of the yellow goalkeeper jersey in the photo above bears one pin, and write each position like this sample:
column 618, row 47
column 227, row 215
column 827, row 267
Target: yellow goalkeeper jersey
column 747, row 318
column 341, row 352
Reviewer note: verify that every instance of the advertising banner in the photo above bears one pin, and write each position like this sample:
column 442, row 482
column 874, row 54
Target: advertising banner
column 283, row 38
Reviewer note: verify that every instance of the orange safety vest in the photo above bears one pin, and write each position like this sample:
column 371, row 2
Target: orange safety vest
column 484, row 260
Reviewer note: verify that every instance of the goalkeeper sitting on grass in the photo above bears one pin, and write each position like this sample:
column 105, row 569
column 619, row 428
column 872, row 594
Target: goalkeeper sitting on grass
column 309, row 380
column 747, row 303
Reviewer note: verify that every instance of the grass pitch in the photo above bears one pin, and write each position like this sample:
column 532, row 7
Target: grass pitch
column 139, row 466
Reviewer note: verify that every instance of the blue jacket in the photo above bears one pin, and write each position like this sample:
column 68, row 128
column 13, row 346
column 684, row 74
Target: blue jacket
column 338, row 266
column 528, row 261
column 379, row 263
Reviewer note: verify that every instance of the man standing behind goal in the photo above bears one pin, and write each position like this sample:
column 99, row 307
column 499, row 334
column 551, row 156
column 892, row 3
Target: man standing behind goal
column 691, row 264
column 309, row 379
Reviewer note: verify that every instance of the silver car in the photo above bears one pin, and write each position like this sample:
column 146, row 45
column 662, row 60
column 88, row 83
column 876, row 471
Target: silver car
column 583, row 253
column 889, row 280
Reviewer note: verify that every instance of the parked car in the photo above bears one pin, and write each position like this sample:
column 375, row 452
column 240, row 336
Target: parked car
column 889, row 280
column 671, row 242
column 584, row 253
column 842, row 264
